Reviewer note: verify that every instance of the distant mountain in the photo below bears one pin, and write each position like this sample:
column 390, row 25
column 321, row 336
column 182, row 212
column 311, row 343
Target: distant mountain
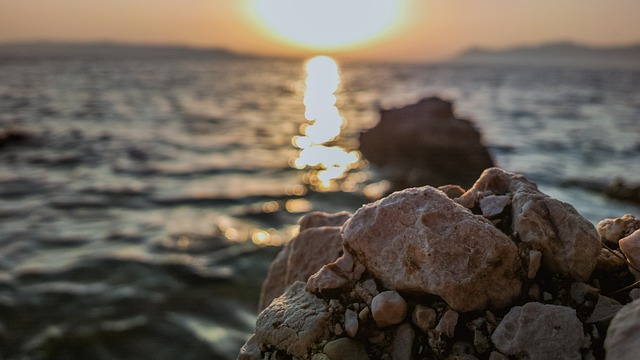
column 106, row 50
column 560, row 53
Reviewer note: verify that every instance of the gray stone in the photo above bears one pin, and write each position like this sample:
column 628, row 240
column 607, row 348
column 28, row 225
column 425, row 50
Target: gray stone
column 448, row 322
column 535, row 257
column 622, row 341
column 580, row 290
column 424, row 317
column 403, row 342
column 421, row 242
column 540, row 332
column 388, row 308
column 294, row 321
column 351, row 323
column 345, row 349
column 606, row 308
column 493, row 205
column 569, row 242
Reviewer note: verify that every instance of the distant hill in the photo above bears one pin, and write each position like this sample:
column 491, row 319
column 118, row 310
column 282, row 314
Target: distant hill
column 106, row 50
column 560, row 53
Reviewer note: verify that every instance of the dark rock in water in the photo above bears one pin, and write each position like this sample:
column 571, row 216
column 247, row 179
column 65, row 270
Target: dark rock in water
column 425, row 143
column 12, row 136
column 618, row 189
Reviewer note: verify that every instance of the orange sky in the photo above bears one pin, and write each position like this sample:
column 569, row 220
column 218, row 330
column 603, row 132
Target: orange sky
column 425, row 30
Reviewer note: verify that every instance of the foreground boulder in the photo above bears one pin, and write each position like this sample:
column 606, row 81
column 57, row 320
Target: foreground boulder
column 420, row 242
column 425, row 143
column 501, row 271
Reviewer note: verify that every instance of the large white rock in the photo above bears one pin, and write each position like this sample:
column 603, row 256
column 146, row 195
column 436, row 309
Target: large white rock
column 569, row 242
column 420, row 242
column 540, row 332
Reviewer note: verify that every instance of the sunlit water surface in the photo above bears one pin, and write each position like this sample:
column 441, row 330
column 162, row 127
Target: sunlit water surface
column 136, row 220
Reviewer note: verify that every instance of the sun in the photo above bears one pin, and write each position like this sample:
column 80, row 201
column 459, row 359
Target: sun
column 326, row 25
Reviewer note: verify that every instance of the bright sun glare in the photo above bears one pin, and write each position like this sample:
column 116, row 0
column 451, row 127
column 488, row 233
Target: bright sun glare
column 328, row 24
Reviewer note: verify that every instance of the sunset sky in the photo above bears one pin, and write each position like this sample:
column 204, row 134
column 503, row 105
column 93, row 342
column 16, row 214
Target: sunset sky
column 408, row 30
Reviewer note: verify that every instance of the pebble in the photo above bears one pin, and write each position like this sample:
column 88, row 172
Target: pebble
column 630, row 246
column 535, row 257
column 351, row 323
column 448, row 322
column 345, row 349
column 403, row 342
column 580, row 290
column 364, row 314
column 493, row 205
column 424, row 317
column 388, row 308
column 606, row 308
column 621, row 342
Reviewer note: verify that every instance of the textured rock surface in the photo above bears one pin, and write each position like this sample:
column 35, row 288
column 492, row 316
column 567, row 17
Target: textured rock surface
column 300, row 258
column 319, row 219
column 623, row 337
column 541, row 332
column 294, row 321
column 612, row 230
column 336, row 276
column 425, row 143
column 569, row 243
column 407, row 242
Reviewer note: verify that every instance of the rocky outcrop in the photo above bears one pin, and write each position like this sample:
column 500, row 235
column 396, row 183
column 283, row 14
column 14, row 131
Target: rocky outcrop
column 422, row 275
column 425, row 143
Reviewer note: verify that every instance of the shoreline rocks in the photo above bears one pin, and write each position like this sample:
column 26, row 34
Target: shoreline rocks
column 500, row 270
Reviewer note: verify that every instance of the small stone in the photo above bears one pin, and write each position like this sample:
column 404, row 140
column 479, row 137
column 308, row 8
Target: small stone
column 534, row 330
column 363, row 315
column 535, row 257
column 621, row 342
column 493, row 205
column 534, row 292
column 424, row 317
column 388, row 308
column 606, row 308
column 337, row 329
column 634, row 294
column 345, row 349
column 366, row 290
column 630, row 246
column 403, row 342
column 580, row 290
column 547, row 296
column 448, row 322
column 480, row 341
column 351, row 323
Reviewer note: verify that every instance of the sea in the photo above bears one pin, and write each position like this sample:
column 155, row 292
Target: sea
column 142, row 200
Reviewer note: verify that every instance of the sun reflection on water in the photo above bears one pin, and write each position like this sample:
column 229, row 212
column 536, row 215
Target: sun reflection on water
column 326, row 162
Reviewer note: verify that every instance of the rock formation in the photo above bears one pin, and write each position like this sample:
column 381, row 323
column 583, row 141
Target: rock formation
column 425, row 143
column 501, row 271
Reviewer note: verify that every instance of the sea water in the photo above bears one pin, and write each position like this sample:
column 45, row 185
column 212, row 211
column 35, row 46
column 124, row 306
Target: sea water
column 142, row 207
